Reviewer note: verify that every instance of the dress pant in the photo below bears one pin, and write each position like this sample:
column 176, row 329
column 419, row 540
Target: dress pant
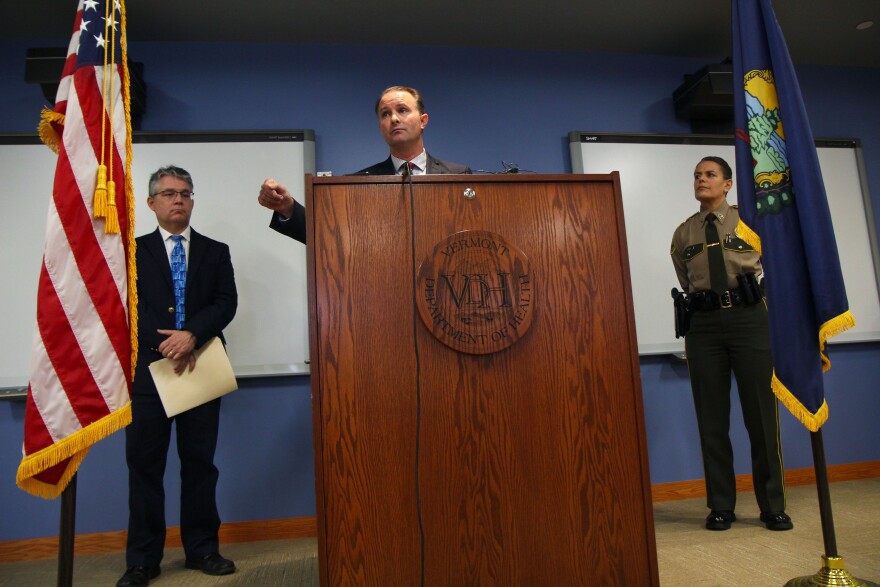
column 146, row 449
column 735, row 340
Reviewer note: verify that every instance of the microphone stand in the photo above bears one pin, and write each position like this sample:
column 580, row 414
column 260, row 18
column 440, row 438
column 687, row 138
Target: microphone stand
column 407, row 177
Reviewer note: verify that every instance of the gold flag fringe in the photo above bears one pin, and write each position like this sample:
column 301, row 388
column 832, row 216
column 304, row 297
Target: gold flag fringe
column 74, row 447
column 129, row 194
column 47, row 131
column 747, row 234
column 833, row 327
column 812, row 421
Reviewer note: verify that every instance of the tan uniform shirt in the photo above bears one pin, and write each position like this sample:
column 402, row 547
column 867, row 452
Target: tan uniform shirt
column 689, row 250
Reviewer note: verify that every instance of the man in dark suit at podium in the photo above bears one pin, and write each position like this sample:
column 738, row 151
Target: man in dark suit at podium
column 402, row 120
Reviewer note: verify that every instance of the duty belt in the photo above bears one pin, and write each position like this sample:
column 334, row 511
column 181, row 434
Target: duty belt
column 709, row 300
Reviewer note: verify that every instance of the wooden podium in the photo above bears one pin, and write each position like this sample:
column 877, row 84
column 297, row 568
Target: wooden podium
column 524, row 466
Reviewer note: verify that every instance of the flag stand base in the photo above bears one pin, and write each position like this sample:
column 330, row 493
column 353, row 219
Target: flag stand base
column 832, row 574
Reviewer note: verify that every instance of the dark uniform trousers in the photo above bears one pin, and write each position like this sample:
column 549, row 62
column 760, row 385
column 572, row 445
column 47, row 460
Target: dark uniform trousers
column 720, row 341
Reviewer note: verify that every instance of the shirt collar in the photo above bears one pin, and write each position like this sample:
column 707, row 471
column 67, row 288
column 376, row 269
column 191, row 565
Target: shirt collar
column 166, row 235
column 420, row 161
column 720, row 212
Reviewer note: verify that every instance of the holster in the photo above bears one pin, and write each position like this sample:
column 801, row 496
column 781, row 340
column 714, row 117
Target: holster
column 682, row 313
column 750, row 288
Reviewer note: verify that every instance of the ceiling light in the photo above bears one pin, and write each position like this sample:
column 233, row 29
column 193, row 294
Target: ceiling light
column 865, row 24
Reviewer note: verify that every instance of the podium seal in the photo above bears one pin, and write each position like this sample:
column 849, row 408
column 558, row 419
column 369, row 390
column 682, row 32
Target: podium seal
column 475, row 292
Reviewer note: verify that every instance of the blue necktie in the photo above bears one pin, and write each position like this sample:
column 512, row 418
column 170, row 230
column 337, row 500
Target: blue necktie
column 178, row 275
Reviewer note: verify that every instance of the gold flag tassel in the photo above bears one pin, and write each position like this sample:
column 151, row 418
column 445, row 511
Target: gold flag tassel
column 111, row 225
column 100, row 202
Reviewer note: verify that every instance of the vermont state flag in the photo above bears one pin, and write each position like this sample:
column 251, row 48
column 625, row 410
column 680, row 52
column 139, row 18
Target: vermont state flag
column 784, row 211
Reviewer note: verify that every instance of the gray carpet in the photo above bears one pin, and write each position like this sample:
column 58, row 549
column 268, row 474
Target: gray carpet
column 746, row 555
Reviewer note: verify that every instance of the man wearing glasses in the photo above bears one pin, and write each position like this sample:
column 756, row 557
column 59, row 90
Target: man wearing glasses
column 186, row 296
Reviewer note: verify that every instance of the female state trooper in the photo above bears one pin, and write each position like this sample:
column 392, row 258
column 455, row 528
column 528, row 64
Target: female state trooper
column 728, row 331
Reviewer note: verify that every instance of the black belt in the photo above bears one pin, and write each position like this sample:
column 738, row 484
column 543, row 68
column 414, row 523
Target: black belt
column 709, row 300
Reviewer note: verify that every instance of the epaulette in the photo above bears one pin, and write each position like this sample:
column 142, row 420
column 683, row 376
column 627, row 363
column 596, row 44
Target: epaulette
column 735, row 206
column 686, row 220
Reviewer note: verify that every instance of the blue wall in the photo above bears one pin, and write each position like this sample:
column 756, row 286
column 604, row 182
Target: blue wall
column 485, row 106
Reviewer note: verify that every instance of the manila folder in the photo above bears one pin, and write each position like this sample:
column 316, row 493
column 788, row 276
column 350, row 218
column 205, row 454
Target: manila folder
column 211, row 378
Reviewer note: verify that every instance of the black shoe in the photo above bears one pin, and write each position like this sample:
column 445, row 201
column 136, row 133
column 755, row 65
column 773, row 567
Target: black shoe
column 776, row 521
column 138, row 576
column 212, row 564
column 720, row 520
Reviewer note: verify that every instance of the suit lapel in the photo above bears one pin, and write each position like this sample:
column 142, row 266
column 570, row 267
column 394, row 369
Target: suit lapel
column 433, row 167
column 155, row 246
column 197, row 249
column 388, row 167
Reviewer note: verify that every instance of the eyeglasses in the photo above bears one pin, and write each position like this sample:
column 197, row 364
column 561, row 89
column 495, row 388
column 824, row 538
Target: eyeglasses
column 170, row 194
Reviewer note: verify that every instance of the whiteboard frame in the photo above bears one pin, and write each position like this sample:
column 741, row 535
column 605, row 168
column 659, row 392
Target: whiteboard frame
column 270, row 268
column 650, row 344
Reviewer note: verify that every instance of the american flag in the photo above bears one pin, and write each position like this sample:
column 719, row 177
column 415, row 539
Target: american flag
column 81, row 362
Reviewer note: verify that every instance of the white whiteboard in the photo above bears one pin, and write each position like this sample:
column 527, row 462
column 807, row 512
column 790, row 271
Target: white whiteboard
column 269, row 334
column 656, row 181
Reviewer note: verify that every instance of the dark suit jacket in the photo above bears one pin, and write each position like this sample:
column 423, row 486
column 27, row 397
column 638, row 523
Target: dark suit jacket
column 435, row 167
column 295, row 226
column 211, row 297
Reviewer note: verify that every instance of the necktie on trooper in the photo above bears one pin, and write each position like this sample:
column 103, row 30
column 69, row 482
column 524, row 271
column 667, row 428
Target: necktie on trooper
column 178, row 276
column 717, row 270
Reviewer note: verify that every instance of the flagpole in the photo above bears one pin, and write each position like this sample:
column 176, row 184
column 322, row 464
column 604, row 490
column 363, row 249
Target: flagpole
column 832, row 573
column 781, row 191
column 66, row 535
column 825, row 515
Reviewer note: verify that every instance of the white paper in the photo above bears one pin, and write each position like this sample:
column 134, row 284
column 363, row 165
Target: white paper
column 211, row 378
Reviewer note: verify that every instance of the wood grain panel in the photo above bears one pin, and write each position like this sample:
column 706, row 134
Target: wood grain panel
column 540, row 439
column 527, row 466
column 365, row 390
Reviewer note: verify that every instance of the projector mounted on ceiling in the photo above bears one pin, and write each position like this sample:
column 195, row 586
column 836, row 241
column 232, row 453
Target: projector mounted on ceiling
column 705, row 99
column 44, row 66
